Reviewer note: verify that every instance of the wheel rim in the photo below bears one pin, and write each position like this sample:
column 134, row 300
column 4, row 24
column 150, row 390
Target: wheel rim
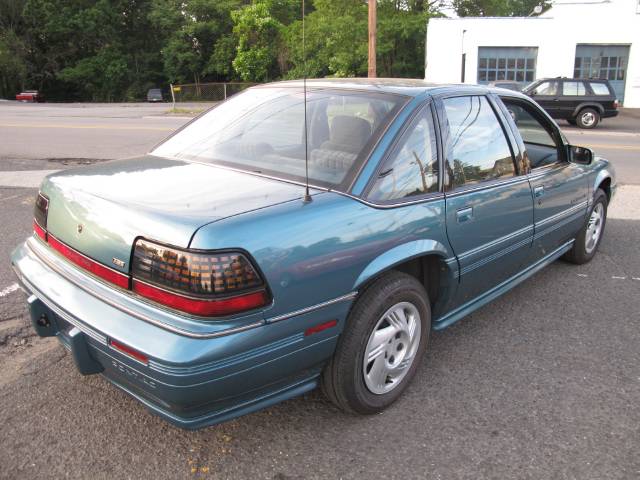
column 588, row 118
column 391, row 348
column 594, row 228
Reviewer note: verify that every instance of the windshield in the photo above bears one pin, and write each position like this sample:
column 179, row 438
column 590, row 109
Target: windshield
column 262, row 130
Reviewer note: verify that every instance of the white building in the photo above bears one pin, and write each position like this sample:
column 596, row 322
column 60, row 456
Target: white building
column 588, row 38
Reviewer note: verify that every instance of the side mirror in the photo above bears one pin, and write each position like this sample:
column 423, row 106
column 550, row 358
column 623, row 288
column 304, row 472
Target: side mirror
column 580, row 155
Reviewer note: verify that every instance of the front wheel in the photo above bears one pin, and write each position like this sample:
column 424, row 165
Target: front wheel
column 384, row 339
column 587, row 242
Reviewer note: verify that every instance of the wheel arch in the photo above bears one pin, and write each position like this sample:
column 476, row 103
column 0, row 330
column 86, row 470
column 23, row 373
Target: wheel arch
column 430, row 262
column 583, row 105
column 603, row 181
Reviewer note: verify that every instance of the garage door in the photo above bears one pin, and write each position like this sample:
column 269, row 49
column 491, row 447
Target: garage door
column 507, row 63
column 603, row 61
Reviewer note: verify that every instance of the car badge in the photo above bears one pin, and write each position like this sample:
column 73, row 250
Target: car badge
column 80, row 227
column 117, row 262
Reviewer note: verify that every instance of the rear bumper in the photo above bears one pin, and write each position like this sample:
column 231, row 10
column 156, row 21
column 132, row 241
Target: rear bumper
column 190, row 381
column 610, row 113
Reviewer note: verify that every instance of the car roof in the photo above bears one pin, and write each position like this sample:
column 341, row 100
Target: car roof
column 572, row 79
column 403, row 86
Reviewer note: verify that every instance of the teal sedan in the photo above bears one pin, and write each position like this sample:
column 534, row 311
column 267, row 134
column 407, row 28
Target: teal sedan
column 294, row 237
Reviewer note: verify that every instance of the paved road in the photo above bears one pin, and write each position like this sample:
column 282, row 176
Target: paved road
column 541, row 384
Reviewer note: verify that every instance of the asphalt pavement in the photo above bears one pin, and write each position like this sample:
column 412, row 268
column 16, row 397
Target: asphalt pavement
column 543, row 383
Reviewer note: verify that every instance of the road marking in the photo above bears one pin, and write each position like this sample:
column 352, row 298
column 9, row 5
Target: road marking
column 613, row 147
column 582, row 275
column 83, row 127
column 619, row 278
column 10, row 289
column 635, row 278
column 24, row 178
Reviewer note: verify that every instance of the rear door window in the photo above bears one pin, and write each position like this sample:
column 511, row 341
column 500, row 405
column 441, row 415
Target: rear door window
column 411, row 169
column 477, row 149
column 573, row 89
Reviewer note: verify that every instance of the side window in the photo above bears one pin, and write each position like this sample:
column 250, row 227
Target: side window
column 541, row 148
column 477, row 148
column 600, row 89
column 412, row 166
column 546, row 88
column 573, row 88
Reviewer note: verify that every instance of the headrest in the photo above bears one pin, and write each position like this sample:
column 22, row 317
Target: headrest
column 351, row 132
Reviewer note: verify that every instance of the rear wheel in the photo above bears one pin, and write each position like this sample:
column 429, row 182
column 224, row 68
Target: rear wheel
column 588, row 240
column 588, row 118
column 380, row 349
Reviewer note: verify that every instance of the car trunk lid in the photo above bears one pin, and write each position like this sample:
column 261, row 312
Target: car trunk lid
column 100, row 210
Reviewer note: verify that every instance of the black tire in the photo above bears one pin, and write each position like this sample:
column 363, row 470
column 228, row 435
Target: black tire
column 343, row 379
column 588, row 118
column 580, row 254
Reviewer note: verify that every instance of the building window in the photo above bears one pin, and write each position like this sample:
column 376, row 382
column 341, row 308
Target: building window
column 517, row 64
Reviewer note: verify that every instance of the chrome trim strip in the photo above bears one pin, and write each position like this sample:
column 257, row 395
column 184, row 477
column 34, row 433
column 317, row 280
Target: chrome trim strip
column 312, row 308
column 511, row 181
column 563, row 213
column 495, row 242
column 496, row 255
column 435, row 196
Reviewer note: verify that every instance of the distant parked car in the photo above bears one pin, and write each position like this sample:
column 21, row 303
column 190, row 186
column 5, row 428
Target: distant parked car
column 508, row 84
column 30, row 96
column 206, row 281
column 155, row 95
column 581, row 102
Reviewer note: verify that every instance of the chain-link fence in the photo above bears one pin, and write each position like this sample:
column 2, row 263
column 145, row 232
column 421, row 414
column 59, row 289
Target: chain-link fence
column 206, row 92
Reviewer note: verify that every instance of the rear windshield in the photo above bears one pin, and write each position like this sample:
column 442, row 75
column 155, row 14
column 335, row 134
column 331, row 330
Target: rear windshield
column 262, row 130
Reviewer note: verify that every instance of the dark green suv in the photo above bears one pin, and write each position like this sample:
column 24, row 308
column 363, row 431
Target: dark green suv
column 581, row 102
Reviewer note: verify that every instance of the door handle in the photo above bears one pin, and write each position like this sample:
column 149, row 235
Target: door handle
column 464, row 214
column 538, row 191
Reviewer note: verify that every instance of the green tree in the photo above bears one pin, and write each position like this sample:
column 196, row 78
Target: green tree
column 259, row 34
column 497, row 8
column 198, row 41
column 336, row 40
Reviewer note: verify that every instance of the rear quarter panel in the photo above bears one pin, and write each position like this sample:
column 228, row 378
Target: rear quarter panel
column 318, row 251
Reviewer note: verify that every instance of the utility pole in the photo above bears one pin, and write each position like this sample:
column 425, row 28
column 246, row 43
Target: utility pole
column 372, row 38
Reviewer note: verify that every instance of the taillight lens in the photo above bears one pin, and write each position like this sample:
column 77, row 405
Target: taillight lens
column 40, row 213
column 197, row 282
column 616, row 104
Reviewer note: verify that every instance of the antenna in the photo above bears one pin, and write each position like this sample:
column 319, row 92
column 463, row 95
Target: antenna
column 307, row 197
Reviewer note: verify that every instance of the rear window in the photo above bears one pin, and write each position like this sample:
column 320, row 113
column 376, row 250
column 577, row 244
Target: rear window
column 600, row 89
column 262, row 130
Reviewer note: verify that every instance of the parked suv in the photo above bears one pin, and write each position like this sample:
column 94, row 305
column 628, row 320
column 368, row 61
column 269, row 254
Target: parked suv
column 581, row 102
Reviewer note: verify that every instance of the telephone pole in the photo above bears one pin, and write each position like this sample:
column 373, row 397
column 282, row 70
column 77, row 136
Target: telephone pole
column 372, row 38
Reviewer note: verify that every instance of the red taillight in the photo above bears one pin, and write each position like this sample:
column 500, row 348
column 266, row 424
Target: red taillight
column 39, row 231
column 99, row 270
column 201, row 283
column 201, row 307
column 121, row 347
